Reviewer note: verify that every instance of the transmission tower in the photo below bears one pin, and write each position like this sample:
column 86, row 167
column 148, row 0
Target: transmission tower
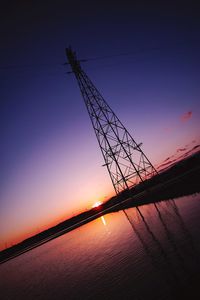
column 126, row 162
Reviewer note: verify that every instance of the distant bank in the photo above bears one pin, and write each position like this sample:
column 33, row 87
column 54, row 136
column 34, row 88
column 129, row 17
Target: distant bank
column 179, row 180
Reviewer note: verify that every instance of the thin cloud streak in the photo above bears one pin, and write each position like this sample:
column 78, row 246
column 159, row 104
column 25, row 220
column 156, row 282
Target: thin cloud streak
column 186, row 116
column 170, row 161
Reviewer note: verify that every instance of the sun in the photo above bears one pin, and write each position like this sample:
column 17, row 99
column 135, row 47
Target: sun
column 96, row 204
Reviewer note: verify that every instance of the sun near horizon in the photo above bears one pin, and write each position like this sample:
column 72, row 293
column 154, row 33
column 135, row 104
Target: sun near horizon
column 97, row 204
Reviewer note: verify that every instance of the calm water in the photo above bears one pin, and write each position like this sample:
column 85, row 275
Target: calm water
column 150, row 253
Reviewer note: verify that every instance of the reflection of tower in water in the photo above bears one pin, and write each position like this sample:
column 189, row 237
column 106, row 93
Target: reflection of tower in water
column 189, row 246
column 164, row 261
column 151, row 255
column 185, row 231
column 171, row 240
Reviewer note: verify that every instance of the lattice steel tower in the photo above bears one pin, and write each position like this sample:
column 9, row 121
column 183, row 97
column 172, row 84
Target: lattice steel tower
column 126, row 162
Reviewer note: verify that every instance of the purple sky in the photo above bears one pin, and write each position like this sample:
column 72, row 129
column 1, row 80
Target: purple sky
column 51, row 163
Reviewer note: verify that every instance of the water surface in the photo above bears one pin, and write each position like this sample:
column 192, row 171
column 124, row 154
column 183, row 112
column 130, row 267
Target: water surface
column 150, row 252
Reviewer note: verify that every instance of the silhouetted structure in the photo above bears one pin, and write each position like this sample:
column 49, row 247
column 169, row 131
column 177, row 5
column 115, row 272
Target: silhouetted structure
column 126, row 162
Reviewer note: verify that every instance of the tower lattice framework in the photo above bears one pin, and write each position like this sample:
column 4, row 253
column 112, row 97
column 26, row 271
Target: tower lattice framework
column 126, row 162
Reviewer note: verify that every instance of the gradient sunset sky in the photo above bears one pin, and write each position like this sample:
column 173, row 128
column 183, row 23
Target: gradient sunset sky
column 143, row 58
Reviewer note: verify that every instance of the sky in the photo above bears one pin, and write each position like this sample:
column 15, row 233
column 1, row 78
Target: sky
column 142, row 57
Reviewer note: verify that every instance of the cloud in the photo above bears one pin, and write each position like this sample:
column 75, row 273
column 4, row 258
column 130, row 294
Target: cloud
column 186, row 116
column 166, row 159
column 195, row 147
column 172, row 160
column 189, row 152
column 166, row 165
column 181, row 149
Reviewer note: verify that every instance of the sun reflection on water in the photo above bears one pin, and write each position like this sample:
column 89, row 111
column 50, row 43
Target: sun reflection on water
column 103, row 221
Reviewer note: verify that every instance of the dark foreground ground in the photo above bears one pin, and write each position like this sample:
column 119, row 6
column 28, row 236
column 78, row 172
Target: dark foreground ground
column 181, row 179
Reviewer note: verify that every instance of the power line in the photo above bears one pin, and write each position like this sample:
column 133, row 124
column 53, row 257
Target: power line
column 144, row 50
column 132, row 53
column 122, row 54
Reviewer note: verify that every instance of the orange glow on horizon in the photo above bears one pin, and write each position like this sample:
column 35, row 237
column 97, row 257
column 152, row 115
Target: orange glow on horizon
column 17, row 236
